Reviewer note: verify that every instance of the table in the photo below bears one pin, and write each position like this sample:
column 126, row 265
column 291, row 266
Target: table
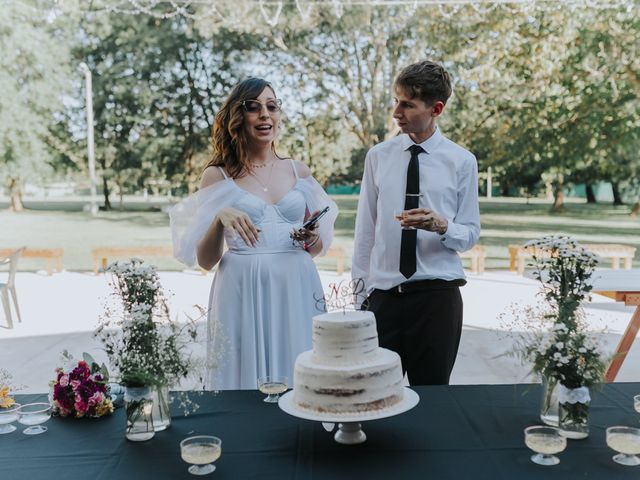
column 622, row 286
column 456, row 432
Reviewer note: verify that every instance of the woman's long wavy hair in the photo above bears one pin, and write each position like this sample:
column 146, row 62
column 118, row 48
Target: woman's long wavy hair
column 228, row 139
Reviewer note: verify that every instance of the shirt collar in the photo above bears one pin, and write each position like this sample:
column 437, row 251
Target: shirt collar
column 428, row 145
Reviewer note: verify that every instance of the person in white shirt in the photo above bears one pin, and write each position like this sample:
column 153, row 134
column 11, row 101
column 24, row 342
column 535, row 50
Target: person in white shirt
column 418, row 207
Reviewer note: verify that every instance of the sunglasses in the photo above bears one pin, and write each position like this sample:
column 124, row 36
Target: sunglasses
column 254, row 106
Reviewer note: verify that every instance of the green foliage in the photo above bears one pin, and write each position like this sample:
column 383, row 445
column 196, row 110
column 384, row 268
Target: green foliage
column 33, row 77
column 555, row 92
column 542, row 95
column 157, row 84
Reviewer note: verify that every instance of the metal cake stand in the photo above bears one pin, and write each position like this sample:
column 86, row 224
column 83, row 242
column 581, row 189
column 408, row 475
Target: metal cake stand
column 349, row 425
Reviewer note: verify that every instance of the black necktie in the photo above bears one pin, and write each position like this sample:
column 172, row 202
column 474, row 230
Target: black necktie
column 409, row 237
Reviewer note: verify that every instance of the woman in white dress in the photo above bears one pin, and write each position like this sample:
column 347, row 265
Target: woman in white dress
column 266, row 288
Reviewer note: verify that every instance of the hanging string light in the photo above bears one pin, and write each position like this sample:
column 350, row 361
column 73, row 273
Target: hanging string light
column 276, row 9
column 272, row 9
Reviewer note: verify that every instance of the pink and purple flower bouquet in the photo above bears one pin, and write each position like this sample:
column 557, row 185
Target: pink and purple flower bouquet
column 82, row 392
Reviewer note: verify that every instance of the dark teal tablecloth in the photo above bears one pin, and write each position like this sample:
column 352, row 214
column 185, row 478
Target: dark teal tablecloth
column 455, row 432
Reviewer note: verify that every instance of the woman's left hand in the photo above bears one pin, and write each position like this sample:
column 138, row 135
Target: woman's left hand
column 305, row 235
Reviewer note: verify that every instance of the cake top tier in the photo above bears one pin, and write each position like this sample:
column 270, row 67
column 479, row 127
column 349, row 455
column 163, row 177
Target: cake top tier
column 340, row 318
column 344, row 337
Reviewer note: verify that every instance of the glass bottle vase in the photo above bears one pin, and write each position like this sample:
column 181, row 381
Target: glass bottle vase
column 138, row 404
column 574, row 412
column 161, row 413
column 549, row 401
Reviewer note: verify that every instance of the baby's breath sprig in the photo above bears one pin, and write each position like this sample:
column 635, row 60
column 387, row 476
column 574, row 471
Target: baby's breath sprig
column 144, row 345
column 556, row 341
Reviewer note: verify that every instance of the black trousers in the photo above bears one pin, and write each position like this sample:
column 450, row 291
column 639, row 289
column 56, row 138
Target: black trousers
column 423, row 327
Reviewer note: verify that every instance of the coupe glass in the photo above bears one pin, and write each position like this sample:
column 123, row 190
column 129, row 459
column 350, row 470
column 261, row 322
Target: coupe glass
column 272, row 386
column 32, row 415
column 7, row 417
column 201, row 451
column 398, row 215
column 545, row 441
column 625, row 440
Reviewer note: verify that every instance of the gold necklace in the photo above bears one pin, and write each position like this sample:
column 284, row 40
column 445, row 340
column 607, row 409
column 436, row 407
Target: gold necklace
column 260, row 165
column 265, row 186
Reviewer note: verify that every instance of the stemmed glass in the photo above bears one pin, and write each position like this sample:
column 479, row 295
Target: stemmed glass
column 399, row 214
column 272, row 386
column 625, row 440
column 7, row 417
column 545, row 441
column 201, row 451
column 32, row 415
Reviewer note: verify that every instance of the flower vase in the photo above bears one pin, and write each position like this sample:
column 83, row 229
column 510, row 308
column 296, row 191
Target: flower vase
column 574, row 411
column 138, row 404
column 549, row 401
column 161, row 413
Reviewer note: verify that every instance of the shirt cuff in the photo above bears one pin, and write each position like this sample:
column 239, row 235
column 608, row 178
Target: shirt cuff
column 443, row 235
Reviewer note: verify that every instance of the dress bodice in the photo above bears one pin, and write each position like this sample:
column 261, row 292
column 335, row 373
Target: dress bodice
column 275, row 222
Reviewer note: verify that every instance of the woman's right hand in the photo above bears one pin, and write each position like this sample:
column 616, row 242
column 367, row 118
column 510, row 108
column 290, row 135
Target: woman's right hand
column 240, row 223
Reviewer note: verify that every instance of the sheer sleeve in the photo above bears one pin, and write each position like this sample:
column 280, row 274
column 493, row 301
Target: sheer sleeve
column 316, row 199
column 191, row 218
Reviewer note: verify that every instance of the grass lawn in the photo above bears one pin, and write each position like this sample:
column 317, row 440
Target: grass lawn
column 504, row 221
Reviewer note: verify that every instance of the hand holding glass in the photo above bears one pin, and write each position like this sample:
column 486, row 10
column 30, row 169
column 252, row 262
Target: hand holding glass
column 32, row 415
column 272, row 386
column 625, row 440
column 545, row 441
column 7, row 417
column 399, row 215
column 201, row 451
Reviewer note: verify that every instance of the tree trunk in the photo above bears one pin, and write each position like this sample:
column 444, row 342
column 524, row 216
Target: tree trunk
column 16, row 203
column 121, row 195
column 591, row 196
column 558, row 197
column 15, row 194
column 105, row 188
column 617, row 197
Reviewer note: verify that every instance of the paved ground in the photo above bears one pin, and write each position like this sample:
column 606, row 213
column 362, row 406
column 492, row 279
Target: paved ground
column 61, row 311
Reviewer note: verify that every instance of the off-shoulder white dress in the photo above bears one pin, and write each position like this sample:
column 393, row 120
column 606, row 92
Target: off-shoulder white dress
column 262, row 298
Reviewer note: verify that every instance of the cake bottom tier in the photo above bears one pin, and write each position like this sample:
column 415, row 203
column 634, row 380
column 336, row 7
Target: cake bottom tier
column 368, row 387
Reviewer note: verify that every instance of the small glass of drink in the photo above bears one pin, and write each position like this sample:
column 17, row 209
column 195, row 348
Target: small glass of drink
column 272, row 386
column 625, row 440
column 33, row 415
column 545, row 441
column 9, row 415
column 201, row 451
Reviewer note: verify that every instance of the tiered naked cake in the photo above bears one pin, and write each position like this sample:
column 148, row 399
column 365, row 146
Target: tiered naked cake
column 346, row 372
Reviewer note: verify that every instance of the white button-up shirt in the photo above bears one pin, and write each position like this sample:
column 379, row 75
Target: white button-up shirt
column 449, row 187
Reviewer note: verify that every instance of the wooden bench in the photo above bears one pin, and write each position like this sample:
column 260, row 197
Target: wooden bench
column 101, row 255
column 338, row 253
column 53, row 256
column 477, row 254
column 616, row 252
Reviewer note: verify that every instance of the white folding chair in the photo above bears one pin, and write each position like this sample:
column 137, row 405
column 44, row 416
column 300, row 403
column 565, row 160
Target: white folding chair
column 10, row 286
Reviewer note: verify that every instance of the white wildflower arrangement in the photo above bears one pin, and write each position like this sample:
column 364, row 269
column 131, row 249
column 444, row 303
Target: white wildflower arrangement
column 145, row 347
column 561, row 349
